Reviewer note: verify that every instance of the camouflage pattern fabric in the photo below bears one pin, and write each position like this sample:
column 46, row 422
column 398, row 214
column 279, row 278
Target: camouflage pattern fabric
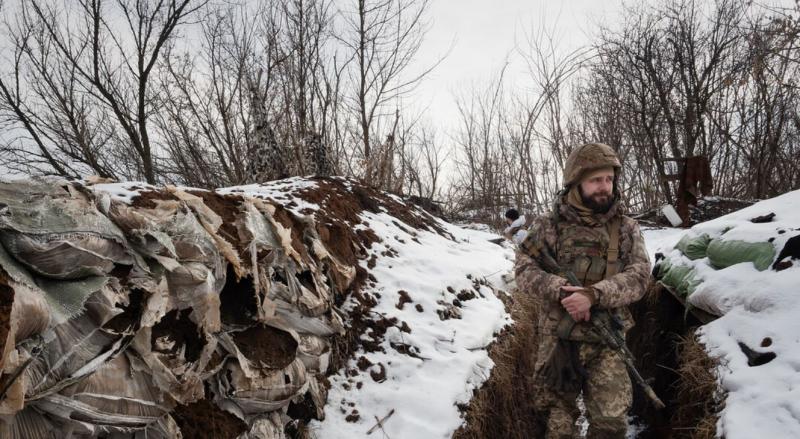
column 606, row 395
column 607, row 392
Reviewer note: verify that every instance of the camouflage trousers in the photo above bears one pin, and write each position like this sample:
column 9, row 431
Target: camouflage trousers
column 607, row 395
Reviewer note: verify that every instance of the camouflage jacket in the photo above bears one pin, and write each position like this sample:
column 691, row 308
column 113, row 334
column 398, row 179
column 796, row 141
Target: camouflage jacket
column 614, row 293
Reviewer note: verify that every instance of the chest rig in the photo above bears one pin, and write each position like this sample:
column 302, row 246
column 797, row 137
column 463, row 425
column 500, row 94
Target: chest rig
column 593, row 255
column 591, row 252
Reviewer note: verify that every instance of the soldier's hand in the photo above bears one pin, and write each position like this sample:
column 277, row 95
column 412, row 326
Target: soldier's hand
column 577, row 305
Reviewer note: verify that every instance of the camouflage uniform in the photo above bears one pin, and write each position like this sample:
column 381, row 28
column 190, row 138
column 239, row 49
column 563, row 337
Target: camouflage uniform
column 607, row 387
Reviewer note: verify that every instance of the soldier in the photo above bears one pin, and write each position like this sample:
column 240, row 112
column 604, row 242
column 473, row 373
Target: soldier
column 517, row 228
column 586, row 232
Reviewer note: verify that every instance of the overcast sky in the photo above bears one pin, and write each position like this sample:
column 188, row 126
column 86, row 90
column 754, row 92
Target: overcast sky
column 478, row 36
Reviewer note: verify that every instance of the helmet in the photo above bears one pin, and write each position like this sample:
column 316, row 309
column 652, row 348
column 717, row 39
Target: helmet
column 588, row 157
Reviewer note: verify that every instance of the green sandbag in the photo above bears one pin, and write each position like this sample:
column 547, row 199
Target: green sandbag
column 681, row 278
column 694, row 248
column 723, row 254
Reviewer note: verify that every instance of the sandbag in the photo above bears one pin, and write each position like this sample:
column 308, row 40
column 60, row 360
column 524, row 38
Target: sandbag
column 723, row 254
column 681, row 278
column 116, row 398
column 264, row 392
column 694, row 247
column 56, row 231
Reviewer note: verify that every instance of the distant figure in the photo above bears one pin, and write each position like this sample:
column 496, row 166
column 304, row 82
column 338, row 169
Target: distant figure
column 517, row 227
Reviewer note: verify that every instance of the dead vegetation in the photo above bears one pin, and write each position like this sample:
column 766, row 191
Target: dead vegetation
column 503, row 407
column 682, row 374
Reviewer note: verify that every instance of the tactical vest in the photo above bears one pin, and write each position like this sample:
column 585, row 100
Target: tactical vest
column 593, row 255
column 591, row 252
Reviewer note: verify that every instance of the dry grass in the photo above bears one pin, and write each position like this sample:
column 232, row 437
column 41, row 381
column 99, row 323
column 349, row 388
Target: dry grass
column 503, row 406
column 697, row 391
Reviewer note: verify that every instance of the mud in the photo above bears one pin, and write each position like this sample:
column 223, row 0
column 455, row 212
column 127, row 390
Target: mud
column 271, row 347
column 404, row 298
column 147, row 199
column 203, row 419
column 226, row 206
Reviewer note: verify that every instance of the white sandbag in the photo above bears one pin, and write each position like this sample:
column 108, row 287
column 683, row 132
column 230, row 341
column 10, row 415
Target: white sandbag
column 116, row 398
column 264, row 392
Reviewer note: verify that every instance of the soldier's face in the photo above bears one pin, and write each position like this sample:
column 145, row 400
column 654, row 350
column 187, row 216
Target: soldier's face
column 597, row 190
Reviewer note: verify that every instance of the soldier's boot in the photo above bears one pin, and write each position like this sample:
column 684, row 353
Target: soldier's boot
column 607, row 428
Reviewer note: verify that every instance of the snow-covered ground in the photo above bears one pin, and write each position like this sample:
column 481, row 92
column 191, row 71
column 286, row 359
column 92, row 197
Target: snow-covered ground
column 450, row 357
column 760, row 310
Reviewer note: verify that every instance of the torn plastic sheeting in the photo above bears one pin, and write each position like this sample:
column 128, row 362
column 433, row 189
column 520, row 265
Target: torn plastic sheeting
column 314, row 352
column 172, row 372
column 29, row 424
column 264, row 392
column 266, row 427
column 65, row 256
column 52, row 230
column 261, row 349
column 29, row 315
column 211, row 222
column 287, row 287
column 323, row 326
column 193, row 285
column 115, row 399
column 67, row 298
column 181, row 265
column 71, row 352
column 343, row 275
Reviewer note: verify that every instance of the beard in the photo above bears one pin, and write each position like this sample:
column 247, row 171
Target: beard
column 599, row 202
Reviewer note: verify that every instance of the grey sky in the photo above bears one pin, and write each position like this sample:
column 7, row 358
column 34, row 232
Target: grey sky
column 481, row 34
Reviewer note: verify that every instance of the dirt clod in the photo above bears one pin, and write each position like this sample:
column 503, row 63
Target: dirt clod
column 404, row 298
column 204, row 419
column 271, row 347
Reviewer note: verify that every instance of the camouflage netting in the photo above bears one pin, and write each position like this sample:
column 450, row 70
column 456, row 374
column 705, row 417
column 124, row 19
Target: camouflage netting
column 177, row 313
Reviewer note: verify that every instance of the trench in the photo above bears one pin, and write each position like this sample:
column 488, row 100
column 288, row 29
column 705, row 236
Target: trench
column 676, row 366
column 667, row 353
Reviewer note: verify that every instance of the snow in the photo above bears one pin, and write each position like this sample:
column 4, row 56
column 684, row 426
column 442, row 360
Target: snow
column 760, row 310
column 122, row 192
column 423, row 392
column 660, row 240
column 283, row 191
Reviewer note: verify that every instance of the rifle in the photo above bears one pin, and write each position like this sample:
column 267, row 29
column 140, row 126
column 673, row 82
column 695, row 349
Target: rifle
column 601, row 323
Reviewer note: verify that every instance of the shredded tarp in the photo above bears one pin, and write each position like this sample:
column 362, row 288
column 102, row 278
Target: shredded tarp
column 114, row 309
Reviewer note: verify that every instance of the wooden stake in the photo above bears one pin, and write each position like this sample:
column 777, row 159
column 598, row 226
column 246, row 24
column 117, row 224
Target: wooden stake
column 380, row 422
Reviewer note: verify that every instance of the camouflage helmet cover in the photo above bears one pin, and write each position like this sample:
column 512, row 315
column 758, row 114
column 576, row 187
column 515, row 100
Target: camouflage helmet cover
column 588, row 157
